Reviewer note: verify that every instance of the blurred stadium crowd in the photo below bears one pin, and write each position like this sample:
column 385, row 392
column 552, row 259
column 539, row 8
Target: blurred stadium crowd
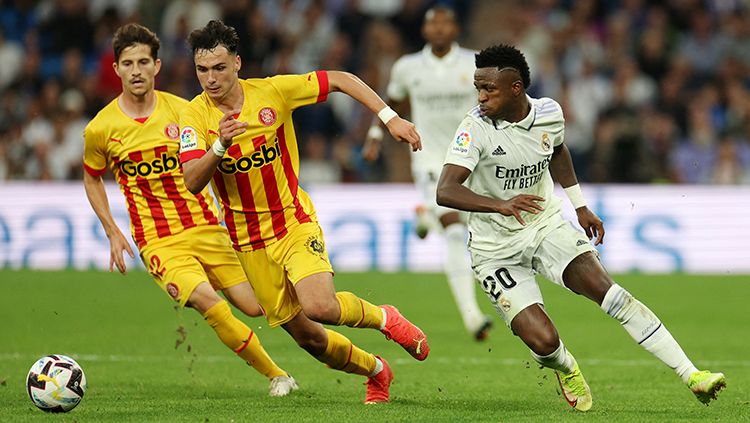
column 653, row 91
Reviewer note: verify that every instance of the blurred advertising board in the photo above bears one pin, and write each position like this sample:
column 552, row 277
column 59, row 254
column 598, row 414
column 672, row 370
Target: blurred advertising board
column 652, row 229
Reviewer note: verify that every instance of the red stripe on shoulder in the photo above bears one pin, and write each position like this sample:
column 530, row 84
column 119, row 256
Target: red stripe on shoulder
column 323, row 87
column 191, row 155
column 94, row 172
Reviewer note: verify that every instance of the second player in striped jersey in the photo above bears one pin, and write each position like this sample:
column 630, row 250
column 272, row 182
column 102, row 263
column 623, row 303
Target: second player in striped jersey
column 177, row 232
column 241, row 134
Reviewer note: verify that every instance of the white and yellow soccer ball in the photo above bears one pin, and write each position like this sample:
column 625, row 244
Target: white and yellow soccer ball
column 56, row 383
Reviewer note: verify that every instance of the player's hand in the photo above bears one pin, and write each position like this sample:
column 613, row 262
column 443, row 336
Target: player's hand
column 519, row 203
column 404, row 131
column 371, row 149
column 229, row 127
column 117, row 244
column 591, row 224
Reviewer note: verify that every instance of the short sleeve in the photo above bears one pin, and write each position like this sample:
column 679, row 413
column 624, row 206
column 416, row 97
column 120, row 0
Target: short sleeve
column 466, row 146
column 398, row 87
column 192, row 133
column 94, row 152
column 301, row 90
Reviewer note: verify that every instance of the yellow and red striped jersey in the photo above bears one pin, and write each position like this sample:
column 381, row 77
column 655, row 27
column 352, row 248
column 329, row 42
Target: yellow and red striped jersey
column 257, row 180
column 143, row 156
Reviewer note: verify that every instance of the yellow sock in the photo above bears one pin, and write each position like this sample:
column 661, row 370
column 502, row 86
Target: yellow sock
column 241, row 339
column 342, row 355
column 358, row 313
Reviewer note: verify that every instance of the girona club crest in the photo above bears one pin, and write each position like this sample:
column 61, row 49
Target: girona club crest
column 172, row 131
column 173, row 290
column 267, row 116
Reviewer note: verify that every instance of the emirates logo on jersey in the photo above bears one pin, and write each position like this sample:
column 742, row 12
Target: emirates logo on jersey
column 172, row 131
column 267, row 116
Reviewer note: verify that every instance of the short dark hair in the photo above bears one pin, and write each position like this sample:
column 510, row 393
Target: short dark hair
column 131, row 34
column 215, row 33
column 504, row 56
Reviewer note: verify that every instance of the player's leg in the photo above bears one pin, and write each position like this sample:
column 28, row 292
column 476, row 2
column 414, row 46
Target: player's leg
column 305, row 260
column 322, row 304
column 460, row 276
column 571, row 261
column 537, row 331
column 242, row 296
column 513, row 291
column 338, row 352
column 217, row 262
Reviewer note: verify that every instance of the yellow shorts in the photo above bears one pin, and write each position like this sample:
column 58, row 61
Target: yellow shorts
column 273, row 271
column 180, row 262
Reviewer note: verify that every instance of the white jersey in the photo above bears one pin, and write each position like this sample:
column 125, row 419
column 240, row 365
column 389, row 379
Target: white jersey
column 507, row 159
column 440, row 91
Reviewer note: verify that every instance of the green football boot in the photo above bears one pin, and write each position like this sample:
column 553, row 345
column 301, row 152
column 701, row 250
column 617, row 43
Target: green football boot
column 706, row 385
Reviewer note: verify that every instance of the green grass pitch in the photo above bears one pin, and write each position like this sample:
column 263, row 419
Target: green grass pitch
column 146, row 361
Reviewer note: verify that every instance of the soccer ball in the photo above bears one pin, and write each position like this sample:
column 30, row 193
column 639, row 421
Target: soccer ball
column 56, row 383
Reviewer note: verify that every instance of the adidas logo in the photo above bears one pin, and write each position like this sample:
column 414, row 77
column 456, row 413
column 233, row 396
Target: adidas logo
column 581, row 242
column 498, row 151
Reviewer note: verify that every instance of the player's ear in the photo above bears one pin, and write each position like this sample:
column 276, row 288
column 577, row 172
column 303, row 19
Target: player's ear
column 238, row 63
column 157, row 66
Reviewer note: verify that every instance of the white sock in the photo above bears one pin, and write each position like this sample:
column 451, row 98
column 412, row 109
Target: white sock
column 385, row 317
column 646, row 329
column 561, row 359
column 461, row 278
column 378, row 367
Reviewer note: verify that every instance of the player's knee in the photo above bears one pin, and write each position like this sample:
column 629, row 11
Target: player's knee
column 544, row 342
column 314, row 342
column 323, row 311
column 251, row 310
column 202, row 300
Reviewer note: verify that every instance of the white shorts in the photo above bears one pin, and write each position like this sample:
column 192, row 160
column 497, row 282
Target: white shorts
column 510, row 282
column 426, row 182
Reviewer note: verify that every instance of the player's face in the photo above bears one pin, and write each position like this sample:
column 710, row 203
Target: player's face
column 137, row 69
column 440, row 28
column 217, row 71
column 498, row 92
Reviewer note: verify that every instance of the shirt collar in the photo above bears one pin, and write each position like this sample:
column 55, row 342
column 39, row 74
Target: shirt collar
column 451, row 57
column 525, row 123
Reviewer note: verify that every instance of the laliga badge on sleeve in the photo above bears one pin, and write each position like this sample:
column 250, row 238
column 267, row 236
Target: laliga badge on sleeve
column 462, row 142
column 188, row 139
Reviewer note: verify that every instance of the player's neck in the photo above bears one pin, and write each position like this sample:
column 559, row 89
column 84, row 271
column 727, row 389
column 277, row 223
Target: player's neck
column 441, row 51
column 521, row 111
column 137, row 106
column 233, row 100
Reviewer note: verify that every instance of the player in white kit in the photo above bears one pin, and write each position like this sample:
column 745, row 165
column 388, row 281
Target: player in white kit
column 510, row 148
column 437, row 85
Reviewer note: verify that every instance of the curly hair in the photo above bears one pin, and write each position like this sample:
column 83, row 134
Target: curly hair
column 131, row 34
column 504, row 56
column 215, row 33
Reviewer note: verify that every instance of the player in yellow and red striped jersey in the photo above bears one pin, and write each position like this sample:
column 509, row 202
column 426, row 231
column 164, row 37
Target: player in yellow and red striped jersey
column 177, row 232
column 241, row 134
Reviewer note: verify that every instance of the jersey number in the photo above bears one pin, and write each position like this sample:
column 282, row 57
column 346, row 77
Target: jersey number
column 491, row 286
column 156, row 268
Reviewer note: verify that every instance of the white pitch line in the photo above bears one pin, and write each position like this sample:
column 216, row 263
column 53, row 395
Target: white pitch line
column 477, row 361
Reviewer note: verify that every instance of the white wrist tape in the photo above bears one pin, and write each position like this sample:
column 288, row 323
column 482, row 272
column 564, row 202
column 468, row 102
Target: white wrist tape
column 218, row 148
column 375, row 132
column 575, row 195
column 386, row 114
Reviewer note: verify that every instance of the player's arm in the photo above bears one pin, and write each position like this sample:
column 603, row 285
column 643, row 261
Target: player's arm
column 374, row 137
column 97, row 197
column 197, row 173
column 561, row 169
column 452, row 193
column 401, row 129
